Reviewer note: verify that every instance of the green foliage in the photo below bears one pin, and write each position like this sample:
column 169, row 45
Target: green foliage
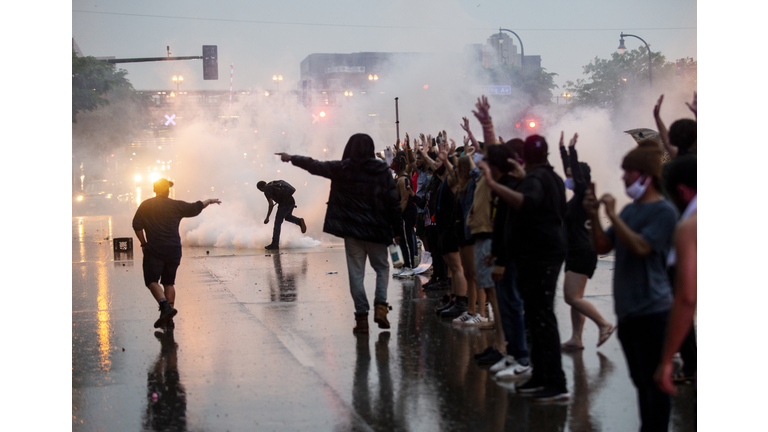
column 612, row 82
column 91, row 80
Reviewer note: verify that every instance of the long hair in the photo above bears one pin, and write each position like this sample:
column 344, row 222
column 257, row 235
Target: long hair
column 464, row 167
column 359, row 147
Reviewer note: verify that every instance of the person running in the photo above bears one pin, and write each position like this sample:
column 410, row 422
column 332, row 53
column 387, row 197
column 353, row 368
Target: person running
column 581, row 260
column 642, row 237
column 280, row 192
column 363, row 209
column 160, row 217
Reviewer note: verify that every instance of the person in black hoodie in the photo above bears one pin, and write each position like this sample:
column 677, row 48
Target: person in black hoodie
column 364, row 210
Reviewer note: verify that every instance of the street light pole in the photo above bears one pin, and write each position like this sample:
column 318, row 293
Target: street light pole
column 622, row 49
column 522, row 50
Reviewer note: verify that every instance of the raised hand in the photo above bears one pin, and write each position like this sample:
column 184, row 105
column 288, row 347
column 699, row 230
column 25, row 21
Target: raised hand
column 572, row 143
column 397, row 146
column 692, row 106
column 562, row 143
column 657, row 109
column 501, row 140
column 453, row 147
column 407, row 142
column 466, row 140
column 483, row 110
column 465, row 124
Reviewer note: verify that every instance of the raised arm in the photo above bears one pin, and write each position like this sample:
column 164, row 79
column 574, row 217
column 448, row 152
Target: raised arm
column 465, row 126
column 483, row 115
column 580, row 185
column 563, row 152
column 672, row 150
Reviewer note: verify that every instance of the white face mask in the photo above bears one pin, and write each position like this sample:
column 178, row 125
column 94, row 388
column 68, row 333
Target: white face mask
column 637, row 189
column 569, row 183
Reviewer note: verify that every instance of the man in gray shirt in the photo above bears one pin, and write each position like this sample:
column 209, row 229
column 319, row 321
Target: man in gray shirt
column 641, row 236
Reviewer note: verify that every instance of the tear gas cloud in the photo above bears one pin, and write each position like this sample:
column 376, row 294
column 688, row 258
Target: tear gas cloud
column 224, row 155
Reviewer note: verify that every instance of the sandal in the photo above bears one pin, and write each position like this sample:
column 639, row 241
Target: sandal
column 605, row 336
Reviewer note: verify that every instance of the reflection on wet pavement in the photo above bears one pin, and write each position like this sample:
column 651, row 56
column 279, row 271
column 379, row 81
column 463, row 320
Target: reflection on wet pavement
column 265, row 343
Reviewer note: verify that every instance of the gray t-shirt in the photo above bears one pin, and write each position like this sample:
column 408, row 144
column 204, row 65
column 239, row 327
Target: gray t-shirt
column 640, row 285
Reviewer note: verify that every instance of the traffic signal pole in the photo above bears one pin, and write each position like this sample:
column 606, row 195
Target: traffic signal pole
column 151, row 59
column 209, row 58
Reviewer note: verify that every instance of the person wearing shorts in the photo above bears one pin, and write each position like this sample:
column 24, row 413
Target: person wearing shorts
column 160, row 217
column 581, row 258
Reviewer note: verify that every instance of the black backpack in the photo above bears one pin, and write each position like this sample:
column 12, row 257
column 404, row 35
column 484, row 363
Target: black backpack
column 281, row 190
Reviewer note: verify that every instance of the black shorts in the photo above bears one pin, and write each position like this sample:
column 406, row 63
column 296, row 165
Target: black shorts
column 581, row 263
column 462, row 237
column 159, row 268
column 448, row 242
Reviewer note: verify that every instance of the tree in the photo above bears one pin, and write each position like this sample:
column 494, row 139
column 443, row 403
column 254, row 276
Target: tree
column 614, row 81
column 91, row 80
column 535, row 85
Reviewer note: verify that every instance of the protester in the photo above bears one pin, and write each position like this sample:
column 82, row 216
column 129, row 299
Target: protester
column 681, row 185
column 408, row 209
column 641, row 236
column 581, row 260
column 160, row 217
column 681, row 137
column 281, row 192
column 363, row 209
column 538, row 244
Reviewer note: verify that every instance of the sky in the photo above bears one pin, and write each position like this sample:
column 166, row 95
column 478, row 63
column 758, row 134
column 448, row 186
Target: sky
column 262, row 39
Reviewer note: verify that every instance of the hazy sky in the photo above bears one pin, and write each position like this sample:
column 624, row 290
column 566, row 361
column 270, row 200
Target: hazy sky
column 266, row 38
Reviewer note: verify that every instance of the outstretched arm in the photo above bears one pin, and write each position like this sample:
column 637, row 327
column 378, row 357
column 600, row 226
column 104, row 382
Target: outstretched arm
column 484, row 116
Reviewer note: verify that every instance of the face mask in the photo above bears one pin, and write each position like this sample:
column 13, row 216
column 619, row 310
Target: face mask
column 569, row 183
column 637, row 189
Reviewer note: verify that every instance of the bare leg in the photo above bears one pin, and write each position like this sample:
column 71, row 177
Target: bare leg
column 501, row 343
column 458, row 283
column 481, row 302
column 573, row 289
column 170, row 293
column 467, row 254
column 157, row 291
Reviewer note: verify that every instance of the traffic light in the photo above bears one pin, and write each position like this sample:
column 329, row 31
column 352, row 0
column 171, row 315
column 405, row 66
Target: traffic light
column 529, row 125
column 210, row 62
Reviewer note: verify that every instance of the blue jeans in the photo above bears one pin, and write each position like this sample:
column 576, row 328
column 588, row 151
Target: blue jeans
column 511, row 312
column 284, row 212
column 356, row 251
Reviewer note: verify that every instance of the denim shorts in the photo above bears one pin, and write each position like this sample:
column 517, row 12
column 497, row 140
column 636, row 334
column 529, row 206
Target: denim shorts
column 484, row 277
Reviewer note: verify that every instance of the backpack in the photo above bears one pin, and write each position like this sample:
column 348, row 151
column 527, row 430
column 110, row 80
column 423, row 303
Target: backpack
column 281, row 190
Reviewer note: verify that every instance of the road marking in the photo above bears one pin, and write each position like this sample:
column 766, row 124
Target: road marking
column 170, row 119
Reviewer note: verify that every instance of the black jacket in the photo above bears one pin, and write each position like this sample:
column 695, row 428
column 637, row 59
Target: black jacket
column 363, row 203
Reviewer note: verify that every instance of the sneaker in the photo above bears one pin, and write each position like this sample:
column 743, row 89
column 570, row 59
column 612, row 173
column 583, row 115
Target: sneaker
column 445, row 299
column 491, row 358
column 502, row 364
column 476, row 320
column 166, row 313
column 454, row 311
column 487, row 325
column 170, row 325
column 462, row 319
column 303, row 225
column 272, row 247
column 405, row 273
column 513, row 371
column 529, row 387
column 551, row 395
column 484, row 353
column 441, row 308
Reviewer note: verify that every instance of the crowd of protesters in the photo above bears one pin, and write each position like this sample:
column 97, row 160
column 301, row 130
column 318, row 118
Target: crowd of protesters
column 494, row 219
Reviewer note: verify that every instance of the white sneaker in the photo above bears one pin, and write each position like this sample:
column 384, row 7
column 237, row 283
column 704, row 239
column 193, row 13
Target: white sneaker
column 462, row 319
column 397, row 271
column 407, row 272
column 514, row 371
column 502, row 364
column 476, row 320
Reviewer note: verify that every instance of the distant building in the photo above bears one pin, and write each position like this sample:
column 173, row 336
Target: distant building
column 500, row 49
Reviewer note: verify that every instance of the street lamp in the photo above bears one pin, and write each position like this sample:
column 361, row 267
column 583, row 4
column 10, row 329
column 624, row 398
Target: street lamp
column 177, row 80
column 622, row 49
column 277, row 79
column 522, row 50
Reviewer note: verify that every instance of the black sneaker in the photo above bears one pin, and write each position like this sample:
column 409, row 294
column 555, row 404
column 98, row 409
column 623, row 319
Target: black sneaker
column 439, row 284
column 444, row 300
column 484, row 353
column 529, row 388
column 441, row 308
column 166, row 313
column 272, row 247
column 491, row 358
column 458, row 308
column 551, row 394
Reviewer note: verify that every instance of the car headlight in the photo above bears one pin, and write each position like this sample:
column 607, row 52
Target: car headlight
column 109, row 196
column 79, row 197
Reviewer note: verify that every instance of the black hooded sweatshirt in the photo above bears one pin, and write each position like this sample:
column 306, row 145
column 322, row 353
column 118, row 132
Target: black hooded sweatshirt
column 364, row 203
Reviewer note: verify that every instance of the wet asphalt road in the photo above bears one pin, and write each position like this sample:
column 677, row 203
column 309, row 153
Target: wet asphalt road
column 266, row 343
